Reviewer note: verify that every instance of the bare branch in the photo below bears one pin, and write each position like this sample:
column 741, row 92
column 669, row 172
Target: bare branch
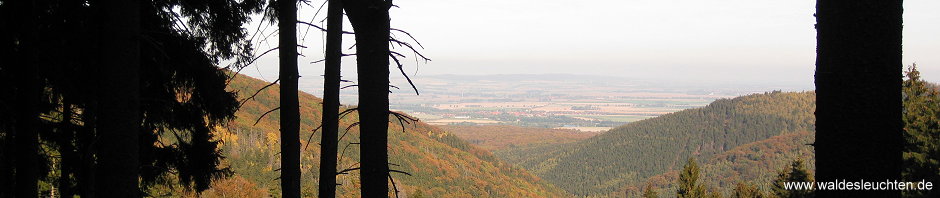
column 402, row 119
column 402, row 70
column 240, row 103
column 311, row 135
column 398, row 171
column 265, row 113
column 409, row 35
column 346, row 171
column 347, row 130
column 348, row 86
column 408, row 45
column 347, row 112
column 394, row 186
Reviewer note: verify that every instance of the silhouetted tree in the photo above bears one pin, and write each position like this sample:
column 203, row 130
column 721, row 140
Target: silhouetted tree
column 858, row 87
column 688, row 181
column 370, row 21
column 921, row 133
column 27, row 94
column 290, row 107
column 119, row 96
column 179, row 88
column 331, row 80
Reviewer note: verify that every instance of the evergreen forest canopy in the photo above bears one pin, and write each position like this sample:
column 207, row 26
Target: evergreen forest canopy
column 630, row 154
column 99, row 96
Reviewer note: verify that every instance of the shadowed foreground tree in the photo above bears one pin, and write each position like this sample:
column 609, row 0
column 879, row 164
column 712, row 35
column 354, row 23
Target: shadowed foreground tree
column 27, row 93
column 290, row 106
column 172, row 108
column 370, row 21
column 119, row 95
column 858, row 87
column 331, row 80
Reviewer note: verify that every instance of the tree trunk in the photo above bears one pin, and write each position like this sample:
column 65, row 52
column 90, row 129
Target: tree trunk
column 370, row 20
column 858, row 82
column 28, row 95
column 118, row 122
column 86, row 150
column 66, row 150
column 290, row 110
column 331, row 80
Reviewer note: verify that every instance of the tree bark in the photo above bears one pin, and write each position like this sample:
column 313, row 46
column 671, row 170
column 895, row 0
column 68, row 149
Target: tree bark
column 331, row 81
column 290, row 107
column 86, row 150
column 370, row 20
column 66, row 150
column 858, row 82
column 28, row 95
column 118, row 118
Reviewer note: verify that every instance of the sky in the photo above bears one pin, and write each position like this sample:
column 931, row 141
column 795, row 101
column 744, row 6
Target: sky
column 736, row 41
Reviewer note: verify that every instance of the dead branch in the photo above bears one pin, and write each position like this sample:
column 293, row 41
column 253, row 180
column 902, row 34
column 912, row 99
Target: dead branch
column 347, row 112
column 347, row 130
column 348, row 86
column 311, row 135
column 402, row 70
column 265, row 113
column 346, row 171
column 409, row 35
column 394, row 186
column 240, row 103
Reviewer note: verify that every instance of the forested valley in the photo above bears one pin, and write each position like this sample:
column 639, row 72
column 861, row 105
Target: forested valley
column 118, row 98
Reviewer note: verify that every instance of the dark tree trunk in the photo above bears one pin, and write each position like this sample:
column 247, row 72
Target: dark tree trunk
column 331, row 79
column 858, row 82
column 290, row 110
column 66, row 150
column 85, row 174
column 26, row 113
column 26, row 137
column 118, row 116
column 370, row 21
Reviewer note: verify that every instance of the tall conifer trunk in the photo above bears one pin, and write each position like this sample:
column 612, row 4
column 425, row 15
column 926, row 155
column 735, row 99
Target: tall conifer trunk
column 858, row 82
column 331, row 80
column 28, row 94
column 290, row 107
column 118, row 95
column 66, row 150
column 370, row 20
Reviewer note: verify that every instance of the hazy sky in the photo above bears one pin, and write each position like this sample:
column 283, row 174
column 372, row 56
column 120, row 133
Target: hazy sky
column 743, row 41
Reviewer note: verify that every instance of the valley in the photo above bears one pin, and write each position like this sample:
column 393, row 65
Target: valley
column 565, row 101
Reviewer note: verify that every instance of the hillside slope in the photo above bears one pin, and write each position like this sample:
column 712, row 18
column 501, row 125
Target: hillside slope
column 441, row 164
column 756, row 163
column 629, row 154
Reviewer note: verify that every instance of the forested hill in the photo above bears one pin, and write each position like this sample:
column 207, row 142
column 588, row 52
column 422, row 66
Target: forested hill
column 440, row 164
column 629, row 154
column 754, row 163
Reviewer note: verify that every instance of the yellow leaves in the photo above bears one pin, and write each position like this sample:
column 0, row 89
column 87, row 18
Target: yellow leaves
column 272, row 139
column 227, row 136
